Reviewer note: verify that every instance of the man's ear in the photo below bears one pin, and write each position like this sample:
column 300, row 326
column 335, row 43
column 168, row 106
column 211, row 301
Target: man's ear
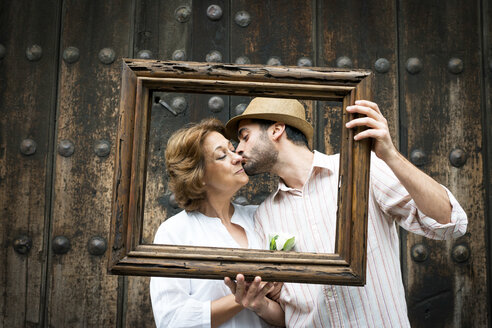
column 277, row 130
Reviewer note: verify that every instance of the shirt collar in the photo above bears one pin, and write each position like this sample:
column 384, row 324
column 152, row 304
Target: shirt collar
column 320, row 161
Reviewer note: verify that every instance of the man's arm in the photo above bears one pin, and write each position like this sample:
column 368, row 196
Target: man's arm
column 429, row 196
column 254, row 298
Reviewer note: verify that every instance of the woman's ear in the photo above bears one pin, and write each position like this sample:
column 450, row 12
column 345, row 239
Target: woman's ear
column 277, row 130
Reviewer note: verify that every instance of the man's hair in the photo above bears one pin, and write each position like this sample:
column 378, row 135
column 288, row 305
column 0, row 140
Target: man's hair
column 185, row 162
column 293, row 134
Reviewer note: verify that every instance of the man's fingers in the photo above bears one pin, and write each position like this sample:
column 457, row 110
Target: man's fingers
column 371, row 133
column 275, row 293
column 367, row 111
column 231, row 284
column 365, row 121
column 368, row 103
column 265, row 290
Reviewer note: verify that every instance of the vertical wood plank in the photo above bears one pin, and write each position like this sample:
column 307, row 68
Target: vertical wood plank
column 487, row 128
column 81, row 292
column 158, row 30
column 209, row 36
column 27, row 109
column 486, row 15
column 365, row 33
column 442, row 112
column 280, row 30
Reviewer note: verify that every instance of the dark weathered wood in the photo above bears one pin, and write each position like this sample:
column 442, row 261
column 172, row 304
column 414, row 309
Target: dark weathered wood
column 442, row 112
column 157, row 30
column 258, row 73
column 282, row 29
column 122, row 166
column 360, row 190
column 81, row 292
column 138, row 168
column 363, row 31
column 353, row 251
column 218, row 269
column 235, row 254
column 322, row 30
column 345, row 185
column 262, row 89
column 487, row 128
column 27, row 110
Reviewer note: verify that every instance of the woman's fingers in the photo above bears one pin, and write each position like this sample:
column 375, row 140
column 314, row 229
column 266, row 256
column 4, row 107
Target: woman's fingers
column 240, row 288
column 253, row 289
column 231, row 284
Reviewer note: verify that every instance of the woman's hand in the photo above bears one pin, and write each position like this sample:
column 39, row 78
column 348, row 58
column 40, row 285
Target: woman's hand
column 253, row 296
column 250, row 295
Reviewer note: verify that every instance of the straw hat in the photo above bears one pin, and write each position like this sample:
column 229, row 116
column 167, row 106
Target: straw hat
column 288, row 111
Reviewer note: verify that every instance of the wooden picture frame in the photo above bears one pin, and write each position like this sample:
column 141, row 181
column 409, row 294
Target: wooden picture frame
column 128, row 256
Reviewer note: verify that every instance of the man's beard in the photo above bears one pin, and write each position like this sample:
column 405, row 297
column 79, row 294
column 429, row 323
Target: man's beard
column 262, row 157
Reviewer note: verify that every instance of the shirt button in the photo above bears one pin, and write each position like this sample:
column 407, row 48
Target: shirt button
column 329, row 293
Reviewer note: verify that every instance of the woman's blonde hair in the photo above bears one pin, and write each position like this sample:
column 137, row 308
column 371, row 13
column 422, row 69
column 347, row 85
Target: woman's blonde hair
column 185, row 162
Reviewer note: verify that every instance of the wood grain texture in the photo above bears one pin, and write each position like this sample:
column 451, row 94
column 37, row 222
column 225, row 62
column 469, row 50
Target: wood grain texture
column 209, row 36
column 487, row 128
column 442, row 111
column 439, row 111
column 27, row 108
column 158, row 30
column 166, row 260
column 87, row 112
column 363, row 31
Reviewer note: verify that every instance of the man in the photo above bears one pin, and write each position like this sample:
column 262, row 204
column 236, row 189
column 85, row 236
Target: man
column 305, row 205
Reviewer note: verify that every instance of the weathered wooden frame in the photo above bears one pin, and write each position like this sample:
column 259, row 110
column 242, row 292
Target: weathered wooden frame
column 347, row 266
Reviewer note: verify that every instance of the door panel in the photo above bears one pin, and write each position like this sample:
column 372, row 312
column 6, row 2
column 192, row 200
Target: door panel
column 359, row 34
column 441, row 129
column 80, row 291
column 28, row 76
column 69, row 98
column 164, row 27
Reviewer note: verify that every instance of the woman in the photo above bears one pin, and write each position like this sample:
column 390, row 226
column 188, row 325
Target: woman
column 204, row 174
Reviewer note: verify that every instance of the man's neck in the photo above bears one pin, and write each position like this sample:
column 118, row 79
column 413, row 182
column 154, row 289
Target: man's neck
column 293, row 165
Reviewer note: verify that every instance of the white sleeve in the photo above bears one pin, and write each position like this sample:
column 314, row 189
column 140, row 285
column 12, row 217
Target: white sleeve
column 174, row 307
column 171, row 301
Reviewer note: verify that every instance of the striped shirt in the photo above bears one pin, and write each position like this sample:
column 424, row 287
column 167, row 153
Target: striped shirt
column 310, row 215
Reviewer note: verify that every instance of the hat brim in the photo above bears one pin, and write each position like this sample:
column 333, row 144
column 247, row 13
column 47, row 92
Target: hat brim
column 301, row 125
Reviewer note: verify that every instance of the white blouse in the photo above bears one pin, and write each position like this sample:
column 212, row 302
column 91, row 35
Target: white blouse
column 180, row 302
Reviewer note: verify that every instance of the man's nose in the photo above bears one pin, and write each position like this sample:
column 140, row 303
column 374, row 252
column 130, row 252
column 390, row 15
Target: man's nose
column 239, row 148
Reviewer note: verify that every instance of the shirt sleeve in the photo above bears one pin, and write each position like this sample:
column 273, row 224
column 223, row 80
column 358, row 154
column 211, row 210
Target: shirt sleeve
column 397, row 204
column 170, row 297
column 173, row 306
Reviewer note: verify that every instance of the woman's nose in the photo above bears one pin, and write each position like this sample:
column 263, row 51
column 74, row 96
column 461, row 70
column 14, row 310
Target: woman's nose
column 236, row 158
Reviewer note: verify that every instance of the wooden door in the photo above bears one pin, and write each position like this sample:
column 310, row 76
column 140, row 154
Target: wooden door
column 59, row 80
